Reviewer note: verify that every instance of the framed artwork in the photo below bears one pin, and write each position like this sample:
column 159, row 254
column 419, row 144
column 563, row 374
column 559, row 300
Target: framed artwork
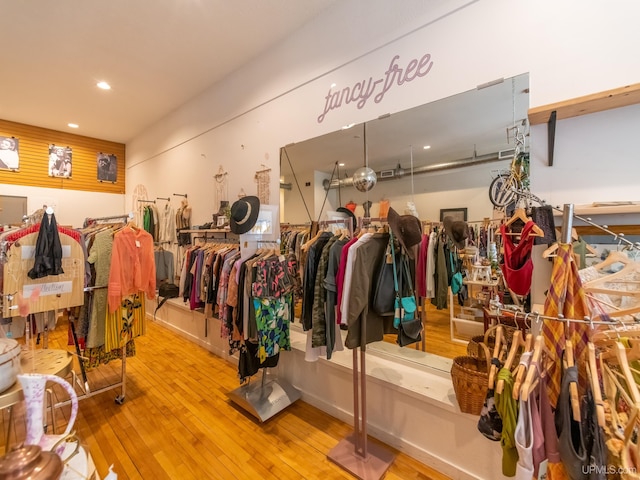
column 107, row 167
column 60, row 161
column 455, row 213
column 9, row 153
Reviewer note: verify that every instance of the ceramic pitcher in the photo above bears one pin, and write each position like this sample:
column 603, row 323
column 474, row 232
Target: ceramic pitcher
column 33, row 387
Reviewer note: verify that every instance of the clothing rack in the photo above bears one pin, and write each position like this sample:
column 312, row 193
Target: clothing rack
column 180, row 195
column 270, row 396
column 84, row 386
column 617, row 236
column 348, row 221
column 536, row 317
column 91, row 220
column 353, row 453
column 168, row 199
column 147, row 201
column 213, row 231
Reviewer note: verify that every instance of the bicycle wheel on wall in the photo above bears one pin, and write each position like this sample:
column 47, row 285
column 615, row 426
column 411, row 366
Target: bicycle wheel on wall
column 501, row 190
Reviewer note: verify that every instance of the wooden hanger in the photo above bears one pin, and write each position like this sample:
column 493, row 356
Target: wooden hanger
column 617, row 355
column 522, row 369
column 596, row 286
column 531, row 381
column 573, row 386
column 550, row 252
column 516, row 343
column 521, row 215
column 311, row 241
column 592, row 373
column 496, row 354
column 613, row 257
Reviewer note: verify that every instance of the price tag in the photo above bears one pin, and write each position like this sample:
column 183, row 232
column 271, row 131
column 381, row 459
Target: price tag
column 542, row 470
column 138, row 243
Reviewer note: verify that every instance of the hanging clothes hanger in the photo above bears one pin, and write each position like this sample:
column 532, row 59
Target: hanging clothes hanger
column 521, row 215
column 495, row 356
column 596, row 286
column 613, row 257
column 573, row 386
column 522, row 369
column 592, row 373
column 550, row 252
column 516, row 343
column 531, row 380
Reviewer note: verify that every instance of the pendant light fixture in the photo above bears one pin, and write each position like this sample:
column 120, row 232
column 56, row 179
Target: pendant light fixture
column 365, row 178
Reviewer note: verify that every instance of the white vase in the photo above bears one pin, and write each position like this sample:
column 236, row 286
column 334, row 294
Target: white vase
column 33, row 387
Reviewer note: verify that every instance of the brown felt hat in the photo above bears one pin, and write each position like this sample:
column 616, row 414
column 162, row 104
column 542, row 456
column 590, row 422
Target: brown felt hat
column 406, row 228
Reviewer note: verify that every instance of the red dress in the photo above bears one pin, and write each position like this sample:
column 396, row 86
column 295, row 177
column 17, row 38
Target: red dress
column 518, row 266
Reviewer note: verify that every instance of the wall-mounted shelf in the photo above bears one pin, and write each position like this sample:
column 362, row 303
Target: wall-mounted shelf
column 596, row 102
column 213, row 234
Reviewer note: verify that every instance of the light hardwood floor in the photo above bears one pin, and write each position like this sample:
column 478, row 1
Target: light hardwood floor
column 177, row 423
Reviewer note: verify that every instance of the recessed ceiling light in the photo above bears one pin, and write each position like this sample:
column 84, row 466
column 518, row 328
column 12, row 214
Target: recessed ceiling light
column 346, row 127
column 427, row 147
column 73, row 125
column 341, row 164
column 104, row 85
column 333, row 85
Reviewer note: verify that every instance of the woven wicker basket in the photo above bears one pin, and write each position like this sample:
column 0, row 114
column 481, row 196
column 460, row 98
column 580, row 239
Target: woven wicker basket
column 489, row 339
column 470, row 377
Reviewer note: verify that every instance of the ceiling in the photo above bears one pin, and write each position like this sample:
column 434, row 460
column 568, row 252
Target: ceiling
column 156, row 54
column 456, row 128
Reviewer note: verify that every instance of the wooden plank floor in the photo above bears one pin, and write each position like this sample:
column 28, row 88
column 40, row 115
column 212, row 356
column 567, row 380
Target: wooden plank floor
column 177, row 423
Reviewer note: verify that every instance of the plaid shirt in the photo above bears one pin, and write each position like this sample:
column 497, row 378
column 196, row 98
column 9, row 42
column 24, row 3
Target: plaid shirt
column 565, row 297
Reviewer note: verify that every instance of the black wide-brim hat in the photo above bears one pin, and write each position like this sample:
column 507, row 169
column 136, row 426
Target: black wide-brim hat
column 406, row 228
column 350, row 214
column 244, row 214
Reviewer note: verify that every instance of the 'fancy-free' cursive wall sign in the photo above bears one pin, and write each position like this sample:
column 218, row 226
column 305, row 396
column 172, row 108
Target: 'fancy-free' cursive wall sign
column 360, row 92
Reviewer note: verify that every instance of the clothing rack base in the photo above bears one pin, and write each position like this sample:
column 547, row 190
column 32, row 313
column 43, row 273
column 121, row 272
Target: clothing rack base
column 354, row 453
column 265, row 399
column 373, row 466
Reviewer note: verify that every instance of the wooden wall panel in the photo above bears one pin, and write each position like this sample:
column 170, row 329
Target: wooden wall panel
column 34, row 159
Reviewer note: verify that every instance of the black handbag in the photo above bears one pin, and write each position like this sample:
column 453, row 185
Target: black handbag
column 409, row 324
column 166, row 291
column 384, row 294
column 410, row 332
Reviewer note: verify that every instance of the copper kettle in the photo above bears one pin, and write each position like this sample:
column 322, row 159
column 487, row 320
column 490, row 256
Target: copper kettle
column 30, row 462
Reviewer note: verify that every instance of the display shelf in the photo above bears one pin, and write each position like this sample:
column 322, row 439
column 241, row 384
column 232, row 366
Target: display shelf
column 596, row 102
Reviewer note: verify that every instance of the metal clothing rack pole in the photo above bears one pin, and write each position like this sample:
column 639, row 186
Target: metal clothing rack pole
column 168, row 199
column 604, row 228
column 353, row 453
column 146, row 201
column 91, row 220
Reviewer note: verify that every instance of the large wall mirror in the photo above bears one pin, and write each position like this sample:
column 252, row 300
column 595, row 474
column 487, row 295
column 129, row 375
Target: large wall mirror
column 439, row 157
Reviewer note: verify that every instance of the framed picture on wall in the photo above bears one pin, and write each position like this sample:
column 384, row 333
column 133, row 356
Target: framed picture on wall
column 59, row 161
column 9, row 153
column 458, row 214
column 107, row 167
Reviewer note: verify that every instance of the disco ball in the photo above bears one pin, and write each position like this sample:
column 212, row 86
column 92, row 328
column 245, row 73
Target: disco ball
column 364, row 179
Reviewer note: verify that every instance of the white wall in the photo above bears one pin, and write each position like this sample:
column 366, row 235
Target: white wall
column 570, row 48
column 71, row 206
column 283, row 91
